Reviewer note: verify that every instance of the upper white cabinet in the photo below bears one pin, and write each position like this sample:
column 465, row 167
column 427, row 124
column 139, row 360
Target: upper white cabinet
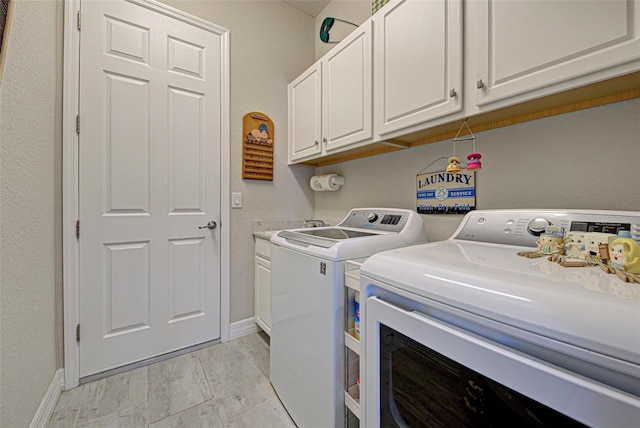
column 305, row 114
column 418, row 64
column 347, row 91
column 527, row 49
column 438, row 61
column 330, row 104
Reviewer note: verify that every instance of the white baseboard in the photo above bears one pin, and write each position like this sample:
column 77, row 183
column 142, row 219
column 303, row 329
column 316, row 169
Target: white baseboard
column 242, row 328
column 49, row 401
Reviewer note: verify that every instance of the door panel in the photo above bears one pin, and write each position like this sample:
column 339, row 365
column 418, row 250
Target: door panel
column 127, row 144
column 126, row 287
column 149, row 165
column 186, row 58
column 186, row 287
column 186, row 146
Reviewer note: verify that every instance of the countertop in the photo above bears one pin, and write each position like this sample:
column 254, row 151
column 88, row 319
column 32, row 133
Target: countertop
column 265, row 228
column 267, row 234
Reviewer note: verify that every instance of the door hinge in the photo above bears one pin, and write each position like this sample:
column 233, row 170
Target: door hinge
column 77, row 124
column 78, row 333
column 79, row 25
column 78, row 229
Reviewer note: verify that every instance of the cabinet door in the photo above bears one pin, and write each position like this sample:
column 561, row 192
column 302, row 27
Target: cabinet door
column 528, row 49
column 305, row 101
column 418, row 63
column 263, row 294
column 347, row 91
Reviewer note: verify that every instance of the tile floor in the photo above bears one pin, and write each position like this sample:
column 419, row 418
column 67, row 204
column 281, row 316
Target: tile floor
column 225, row 385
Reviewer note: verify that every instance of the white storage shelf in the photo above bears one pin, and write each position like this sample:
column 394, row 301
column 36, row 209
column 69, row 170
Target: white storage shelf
column 352, row 400
column 352, row 344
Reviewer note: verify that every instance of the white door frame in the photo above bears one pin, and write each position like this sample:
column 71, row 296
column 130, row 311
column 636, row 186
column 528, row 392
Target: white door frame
column 70, row 172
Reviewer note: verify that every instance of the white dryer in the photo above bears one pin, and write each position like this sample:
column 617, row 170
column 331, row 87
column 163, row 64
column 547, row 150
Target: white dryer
column 307, row 306
column 499, row 339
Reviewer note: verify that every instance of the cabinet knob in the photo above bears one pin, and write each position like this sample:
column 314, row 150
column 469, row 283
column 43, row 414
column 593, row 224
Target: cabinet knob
column 324, row 140
column 452, row 92
column 480, row 84
column 317, row 142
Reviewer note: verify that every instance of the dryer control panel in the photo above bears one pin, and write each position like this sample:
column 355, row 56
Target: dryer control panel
column 523, row 227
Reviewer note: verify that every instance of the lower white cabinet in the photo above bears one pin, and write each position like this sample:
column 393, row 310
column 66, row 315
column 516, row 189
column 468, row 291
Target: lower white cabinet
column 262, row 268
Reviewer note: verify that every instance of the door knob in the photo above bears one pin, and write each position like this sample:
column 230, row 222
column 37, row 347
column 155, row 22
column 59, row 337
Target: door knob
column 211, row 225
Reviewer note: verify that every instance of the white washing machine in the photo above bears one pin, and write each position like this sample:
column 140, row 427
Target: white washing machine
column 307, row 306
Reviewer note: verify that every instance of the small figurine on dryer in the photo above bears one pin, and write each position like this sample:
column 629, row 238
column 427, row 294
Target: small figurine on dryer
column 552, row 240
column 618, row 254
column 624, row 253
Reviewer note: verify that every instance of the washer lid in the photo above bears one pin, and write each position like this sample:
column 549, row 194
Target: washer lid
column 325, row 237
column 584, row 307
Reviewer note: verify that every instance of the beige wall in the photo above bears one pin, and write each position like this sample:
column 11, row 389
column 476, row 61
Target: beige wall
column 355, row 11
column 271, row 43
column 30, row 208
column 586, row 159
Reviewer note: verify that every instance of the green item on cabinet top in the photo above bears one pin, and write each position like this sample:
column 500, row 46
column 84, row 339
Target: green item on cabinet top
column 377, row 4
column 327, row 23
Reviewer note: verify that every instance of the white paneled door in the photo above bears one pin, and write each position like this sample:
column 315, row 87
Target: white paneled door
column 149, row 179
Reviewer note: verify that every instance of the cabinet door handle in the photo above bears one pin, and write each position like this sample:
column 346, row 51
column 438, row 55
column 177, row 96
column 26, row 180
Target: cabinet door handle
column 317, row 142
column 452, row 92
column 480, row 84
column 324, row 140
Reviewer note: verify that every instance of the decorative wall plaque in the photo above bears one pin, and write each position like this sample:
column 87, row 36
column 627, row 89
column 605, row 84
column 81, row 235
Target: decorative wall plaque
column 5, row 21
column 257, row 146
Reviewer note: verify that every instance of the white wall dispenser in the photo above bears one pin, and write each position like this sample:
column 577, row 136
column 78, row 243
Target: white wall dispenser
column 325, row 183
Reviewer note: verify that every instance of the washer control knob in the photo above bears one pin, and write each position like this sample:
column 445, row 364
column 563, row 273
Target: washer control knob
column 537, row 225
column 372, row 217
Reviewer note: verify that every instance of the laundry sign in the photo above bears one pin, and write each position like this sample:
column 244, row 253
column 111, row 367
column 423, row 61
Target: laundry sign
column 445, row 192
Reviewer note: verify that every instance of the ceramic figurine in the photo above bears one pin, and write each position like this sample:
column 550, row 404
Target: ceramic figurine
column 474, row 161
column 592, row 243
column 551, row 244
column 624, row 253
column 454, row 165
column 603, row 250
column 574, row 244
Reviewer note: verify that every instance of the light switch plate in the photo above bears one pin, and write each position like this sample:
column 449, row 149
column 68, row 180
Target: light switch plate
column 236, row 200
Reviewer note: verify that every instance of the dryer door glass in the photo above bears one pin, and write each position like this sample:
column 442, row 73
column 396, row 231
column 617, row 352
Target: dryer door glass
column 422, row 388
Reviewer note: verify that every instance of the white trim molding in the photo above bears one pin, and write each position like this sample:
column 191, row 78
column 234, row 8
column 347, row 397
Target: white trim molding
column 49, row 401
column 70, row 183
column 70, row 187
column 243, row 328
